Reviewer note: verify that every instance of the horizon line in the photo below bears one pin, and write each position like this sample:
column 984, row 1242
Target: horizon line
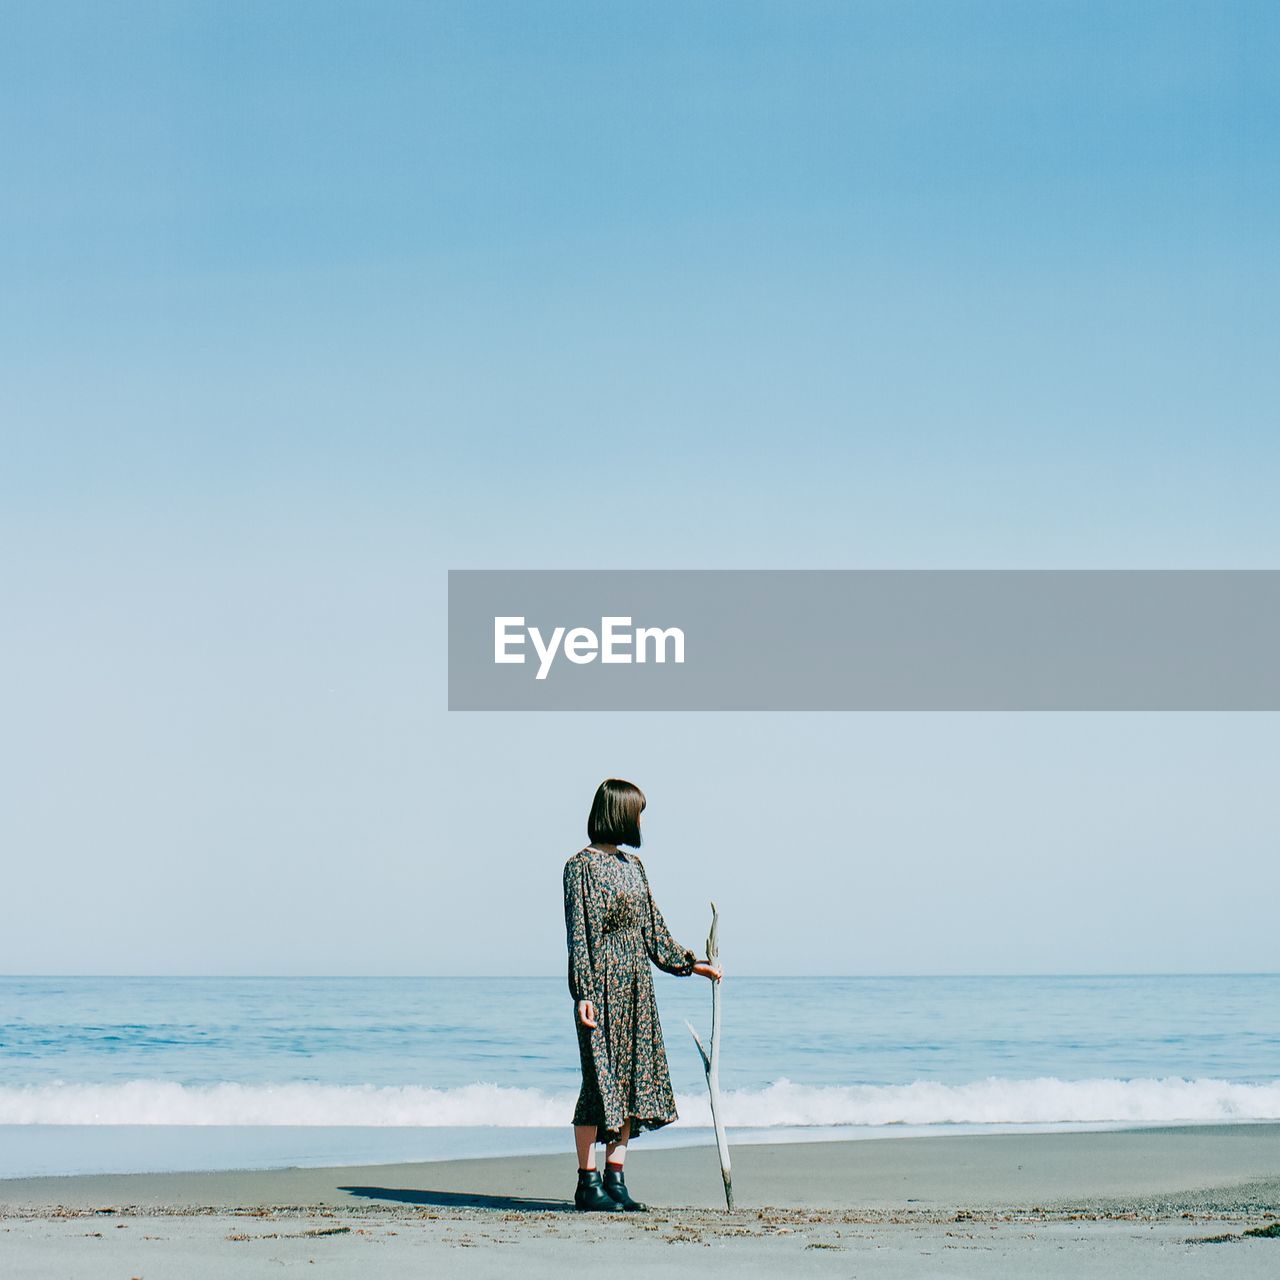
column 543, row 977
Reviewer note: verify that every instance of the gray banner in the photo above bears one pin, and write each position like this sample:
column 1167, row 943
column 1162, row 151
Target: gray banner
column 864, row 640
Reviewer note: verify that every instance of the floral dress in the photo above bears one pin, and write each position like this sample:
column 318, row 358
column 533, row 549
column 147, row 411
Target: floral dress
column 614, row 931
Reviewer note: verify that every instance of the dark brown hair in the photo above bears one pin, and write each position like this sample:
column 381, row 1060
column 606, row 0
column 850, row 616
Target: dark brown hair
column 615, row 813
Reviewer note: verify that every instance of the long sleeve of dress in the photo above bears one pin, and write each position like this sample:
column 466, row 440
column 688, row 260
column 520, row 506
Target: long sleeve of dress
column 582, row 922
column 663, row 949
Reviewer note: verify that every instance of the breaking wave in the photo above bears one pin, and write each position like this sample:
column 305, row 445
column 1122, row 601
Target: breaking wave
column 782, row 1104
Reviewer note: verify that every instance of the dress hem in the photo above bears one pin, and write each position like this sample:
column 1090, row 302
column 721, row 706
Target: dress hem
column 639, row 1125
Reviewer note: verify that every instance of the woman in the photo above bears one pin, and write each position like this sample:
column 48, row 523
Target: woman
column 614, row 931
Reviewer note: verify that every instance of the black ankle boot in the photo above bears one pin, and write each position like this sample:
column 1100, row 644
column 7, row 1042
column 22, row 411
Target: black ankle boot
column 590, row 1195
column 616, row 1188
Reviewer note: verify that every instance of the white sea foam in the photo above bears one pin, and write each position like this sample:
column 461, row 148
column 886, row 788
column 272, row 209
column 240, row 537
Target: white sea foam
column 992, row 1101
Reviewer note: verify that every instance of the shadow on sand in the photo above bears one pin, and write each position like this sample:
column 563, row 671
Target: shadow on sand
column 460, row 1199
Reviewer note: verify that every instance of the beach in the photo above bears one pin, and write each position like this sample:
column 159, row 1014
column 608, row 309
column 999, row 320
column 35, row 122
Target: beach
column 1151, row 1202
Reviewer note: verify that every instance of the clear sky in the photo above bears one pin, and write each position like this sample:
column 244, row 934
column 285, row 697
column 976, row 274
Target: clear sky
column 304, row 304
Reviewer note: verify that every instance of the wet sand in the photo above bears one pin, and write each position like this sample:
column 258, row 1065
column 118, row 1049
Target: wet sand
column 1137, row 1203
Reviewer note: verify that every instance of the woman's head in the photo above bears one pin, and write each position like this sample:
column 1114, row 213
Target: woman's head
column 615, row 813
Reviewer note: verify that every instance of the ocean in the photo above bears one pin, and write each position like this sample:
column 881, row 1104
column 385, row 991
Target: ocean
column 133, row 1074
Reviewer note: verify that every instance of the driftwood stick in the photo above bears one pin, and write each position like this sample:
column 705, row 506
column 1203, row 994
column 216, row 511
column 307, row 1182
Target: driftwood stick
column 711, row 1061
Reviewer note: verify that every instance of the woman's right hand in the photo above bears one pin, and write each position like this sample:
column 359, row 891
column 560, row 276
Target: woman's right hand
column 587, row 1014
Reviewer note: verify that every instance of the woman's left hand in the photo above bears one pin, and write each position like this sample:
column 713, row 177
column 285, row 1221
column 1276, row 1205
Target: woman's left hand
column 709, row 970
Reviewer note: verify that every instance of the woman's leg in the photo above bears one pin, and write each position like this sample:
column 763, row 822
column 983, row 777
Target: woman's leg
column 614, row 1184
column 616, row 1151
column 584, row 1139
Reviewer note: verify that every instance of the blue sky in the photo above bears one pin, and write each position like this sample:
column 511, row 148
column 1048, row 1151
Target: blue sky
column 305, row 304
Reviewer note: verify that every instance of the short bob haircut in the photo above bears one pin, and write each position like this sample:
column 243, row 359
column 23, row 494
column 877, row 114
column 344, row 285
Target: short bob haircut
column 615, row 813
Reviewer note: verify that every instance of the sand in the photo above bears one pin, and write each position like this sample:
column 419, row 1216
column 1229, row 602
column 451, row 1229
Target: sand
column 1166, row 1202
